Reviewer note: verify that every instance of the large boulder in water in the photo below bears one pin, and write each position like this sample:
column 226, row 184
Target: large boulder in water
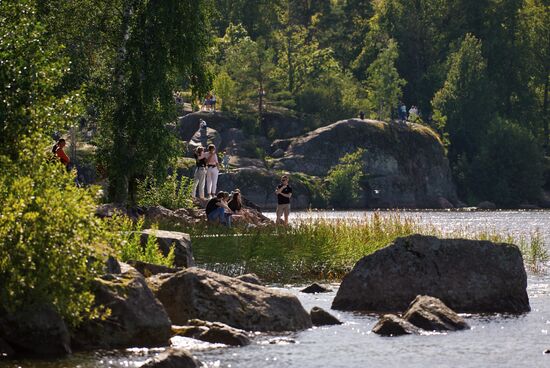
column 405, row 163
column 467, row 275
column 195, row 293
column 136, row 317
column 37, row 330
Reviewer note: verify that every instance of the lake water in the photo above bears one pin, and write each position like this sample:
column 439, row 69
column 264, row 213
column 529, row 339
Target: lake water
column 493, row 341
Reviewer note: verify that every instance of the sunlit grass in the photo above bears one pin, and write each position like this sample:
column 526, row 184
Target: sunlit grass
column 322, row 249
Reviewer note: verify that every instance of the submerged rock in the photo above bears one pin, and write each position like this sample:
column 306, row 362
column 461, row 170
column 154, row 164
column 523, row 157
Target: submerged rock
column 136, row 317
column 320, row 317
column 173, row 358
column 183, row 252
column 213, row 332
column 392, row 325
column 431, row 314
column 38, row 331
column 251, row 278
column 467, row 275
column 195, row 293
column 315, row 288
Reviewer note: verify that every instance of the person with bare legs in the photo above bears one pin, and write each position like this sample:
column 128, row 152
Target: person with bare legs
column 283, row 192
column 212, row 171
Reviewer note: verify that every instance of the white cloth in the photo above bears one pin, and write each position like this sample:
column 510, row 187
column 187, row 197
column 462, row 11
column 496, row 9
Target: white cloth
column 198, row 182
column 212, row 180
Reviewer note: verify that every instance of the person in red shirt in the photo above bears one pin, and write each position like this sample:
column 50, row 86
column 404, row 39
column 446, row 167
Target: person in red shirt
column 58, row 152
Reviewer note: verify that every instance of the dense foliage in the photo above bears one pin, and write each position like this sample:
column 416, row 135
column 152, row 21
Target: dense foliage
column 170, row 193
column 344, row 180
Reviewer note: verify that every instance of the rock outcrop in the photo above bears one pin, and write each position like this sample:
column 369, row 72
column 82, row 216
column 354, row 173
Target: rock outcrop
column 36, row 331
column 250, row 278
column 150, row 269
column 136, row 317
column 467, row 275
column 199, row 294
column 405, row 164
column 173, row 358
column 183, row 252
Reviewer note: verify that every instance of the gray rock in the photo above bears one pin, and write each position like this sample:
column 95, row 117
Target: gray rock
column 149, row 269
column 278, row 153
column 173, row 358
column 188, row 125
column 444, row 203
column 315, row 288
column 213, row 332
column 183, row 251
column 251, row 278
column 547, row 351
column 486, row 205
column 177, row 218
column 320, row 317
column 406, row 164
column 136, row 318
column 38, row 330
column 195, row 293
column 213, row 137
column 392, row 325
column 6, row 351
column 276, row 125
column 467, row 275
column 431, row 314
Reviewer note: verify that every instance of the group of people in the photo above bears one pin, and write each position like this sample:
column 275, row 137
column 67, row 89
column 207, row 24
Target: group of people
column 206, row 172
column 209, row 103
column 414, row 112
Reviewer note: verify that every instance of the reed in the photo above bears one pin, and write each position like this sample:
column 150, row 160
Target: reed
column 321, row 249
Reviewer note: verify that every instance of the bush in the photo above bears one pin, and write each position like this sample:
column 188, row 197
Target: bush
column 508, row 168
column 48, row 235
column 344, row 180
column 170, row 193
column 129, row 248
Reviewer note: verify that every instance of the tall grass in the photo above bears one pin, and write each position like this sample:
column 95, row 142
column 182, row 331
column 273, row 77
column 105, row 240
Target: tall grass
column 320, row 249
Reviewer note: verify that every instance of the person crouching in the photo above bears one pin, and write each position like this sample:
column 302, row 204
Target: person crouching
column 216, row 209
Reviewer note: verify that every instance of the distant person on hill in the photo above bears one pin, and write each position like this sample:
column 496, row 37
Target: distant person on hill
column 402, row 112
column 200, row 172
column 217, row 209
column 413, row 113
column 362, row 115
column 213, row 102
column 212, row 171
column 58, row 152
column 283, row 192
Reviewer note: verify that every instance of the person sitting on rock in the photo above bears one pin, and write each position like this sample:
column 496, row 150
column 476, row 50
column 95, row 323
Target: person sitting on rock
column 216, row 209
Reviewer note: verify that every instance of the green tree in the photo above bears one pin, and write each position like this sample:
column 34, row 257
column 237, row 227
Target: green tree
column 344, row 180
column 384, row 83
column 463, row 108
column 508, row 168
column 152, row 41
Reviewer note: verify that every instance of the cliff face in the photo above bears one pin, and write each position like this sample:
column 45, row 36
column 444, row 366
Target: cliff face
column 405, row 163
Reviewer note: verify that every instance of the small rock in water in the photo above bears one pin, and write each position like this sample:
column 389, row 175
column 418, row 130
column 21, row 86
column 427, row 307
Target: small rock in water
column 213, row 332
column 173, row 358
column 320, row 317
column 547, row 351
column 431, row 314
column 315, row 288
column 392, row 325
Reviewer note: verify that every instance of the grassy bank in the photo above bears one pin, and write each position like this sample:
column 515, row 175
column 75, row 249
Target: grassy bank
column 318, row 249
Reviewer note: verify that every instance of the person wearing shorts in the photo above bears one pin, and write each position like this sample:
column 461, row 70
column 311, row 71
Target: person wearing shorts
column 283, row 192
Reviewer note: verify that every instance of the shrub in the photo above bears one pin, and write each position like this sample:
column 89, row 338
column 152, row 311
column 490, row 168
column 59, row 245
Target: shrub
column 48, row 235
column 343, row 180
column 129, row 247
column 170, row 193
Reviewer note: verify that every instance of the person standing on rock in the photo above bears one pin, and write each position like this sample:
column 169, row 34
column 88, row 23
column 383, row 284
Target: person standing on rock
column 200, row 173
column 203, row 133
column 212, row 171
column 283, row 192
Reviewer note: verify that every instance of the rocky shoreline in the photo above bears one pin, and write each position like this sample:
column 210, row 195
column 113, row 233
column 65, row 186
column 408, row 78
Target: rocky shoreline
column 149, row 306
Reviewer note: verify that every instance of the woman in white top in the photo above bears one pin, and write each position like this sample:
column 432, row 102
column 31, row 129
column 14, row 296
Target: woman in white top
column 212, row 171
